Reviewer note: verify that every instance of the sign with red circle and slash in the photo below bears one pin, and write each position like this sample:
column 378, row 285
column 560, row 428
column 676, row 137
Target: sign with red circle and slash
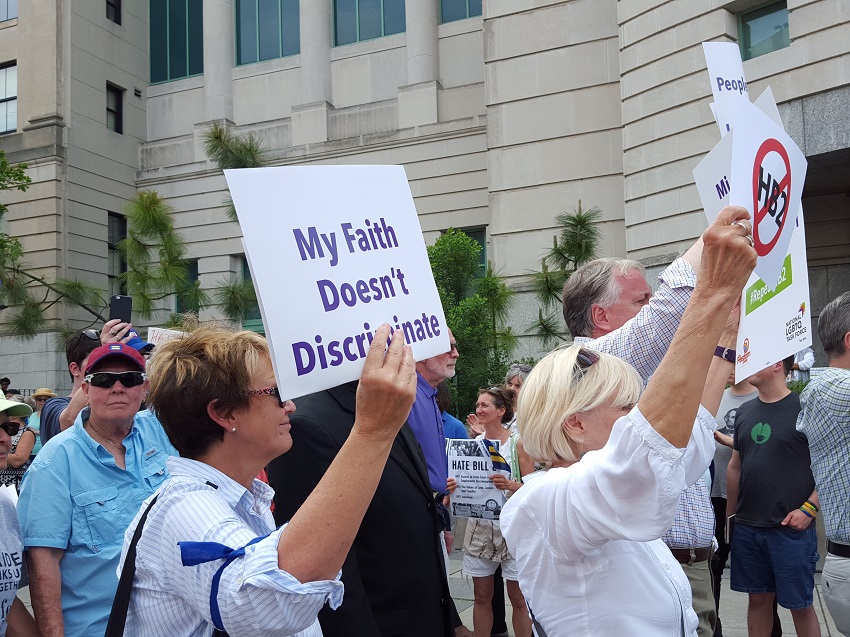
column 767, row 175
column 771, row 194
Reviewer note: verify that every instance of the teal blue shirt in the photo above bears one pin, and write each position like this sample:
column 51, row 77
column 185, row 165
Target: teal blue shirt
column 75, row 498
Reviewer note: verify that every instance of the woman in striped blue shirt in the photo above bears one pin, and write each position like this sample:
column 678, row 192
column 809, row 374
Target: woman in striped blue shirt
column 209, row 556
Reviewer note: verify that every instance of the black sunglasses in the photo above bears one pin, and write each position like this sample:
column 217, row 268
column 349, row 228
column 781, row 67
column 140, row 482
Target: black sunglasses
column 11, row 428
column 269, row 391
column 585, row 359
column 523, row 368
column 92, row 335
column 107, row 379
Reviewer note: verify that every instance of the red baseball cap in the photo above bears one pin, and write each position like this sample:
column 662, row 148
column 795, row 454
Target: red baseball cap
column 115, row 350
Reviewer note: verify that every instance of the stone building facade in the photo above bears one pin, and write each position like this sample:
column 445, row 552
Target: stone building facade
column 503, row 116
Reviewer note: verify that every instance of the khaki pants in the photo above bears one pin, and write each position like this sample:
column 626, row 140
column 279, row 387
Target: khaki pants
column 699, row 575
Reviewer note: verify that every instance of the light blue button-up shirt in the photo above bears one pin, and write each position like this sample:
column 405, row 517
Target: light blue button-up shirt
column 75, row 498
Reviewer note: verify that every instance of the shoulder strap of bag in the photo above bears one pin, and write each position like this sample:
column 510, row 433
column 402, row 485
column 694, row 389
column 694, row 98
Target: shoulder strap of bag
column 121, row 602
column 538, row 629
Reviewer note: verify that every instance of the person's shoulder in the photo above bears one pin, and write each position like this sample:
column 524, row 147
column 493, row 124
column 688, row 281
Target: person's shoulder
column 54, row 406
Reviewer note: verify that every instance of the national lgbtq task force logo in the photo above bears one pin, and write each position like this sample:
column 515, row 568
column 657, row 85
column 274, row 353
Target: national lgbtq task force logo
column 745, row 356
column 795, row 327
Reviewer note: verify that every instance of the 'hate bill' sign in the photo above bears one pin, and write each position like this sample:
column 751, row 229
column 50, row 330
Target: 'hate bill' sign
column 334, row 252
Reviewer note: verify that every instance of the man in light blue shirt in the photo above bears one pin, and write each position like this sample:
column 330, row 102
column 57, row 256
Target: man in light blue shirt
column 83, row 490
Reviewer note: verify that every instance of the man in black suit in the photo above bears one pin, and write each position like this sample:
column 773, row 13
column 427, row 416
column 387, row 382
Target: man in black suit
column 395, row 578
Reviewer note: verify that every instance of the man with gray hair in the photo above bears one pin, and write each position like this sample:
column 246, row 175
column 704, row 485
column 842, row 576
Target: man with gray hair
column 609, row 306
column 825, row 420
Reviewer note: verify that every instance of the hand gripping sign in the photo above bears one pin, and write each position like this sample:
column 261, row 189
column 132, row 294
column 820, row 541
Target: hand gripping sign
column 767, row 175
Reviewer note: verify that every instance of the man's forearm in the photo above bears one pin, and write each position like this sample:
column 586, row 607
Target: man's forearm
column 46, row 590
column 70, row 413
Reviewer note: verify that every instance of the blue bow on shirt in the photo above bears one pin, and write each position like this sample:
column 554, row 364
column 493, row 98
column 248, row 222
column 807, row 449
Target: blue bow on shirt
column 194, row 553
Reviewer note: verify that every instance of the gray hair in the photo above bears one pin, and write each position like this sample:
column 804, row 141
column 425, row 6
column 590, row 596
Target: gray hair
column 594, row 283
column 517, row 370
column 833, row 325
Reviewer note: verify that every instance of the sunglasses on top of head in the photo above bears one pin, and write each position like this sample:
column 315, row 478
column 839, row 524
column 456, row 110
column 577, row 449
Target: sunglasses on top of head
column 107, row 379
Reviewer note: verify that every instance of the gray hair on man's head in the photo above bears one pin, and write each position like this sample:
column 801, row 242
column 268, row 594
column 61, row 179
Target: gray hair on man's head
column 594, row 283
column 833, row 325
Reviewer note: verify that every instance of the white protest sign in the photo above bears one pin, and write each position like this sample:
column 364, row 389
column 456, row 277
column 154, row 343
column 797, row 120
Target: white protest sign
column 727, row 81
column 768, row 171
column 776, row 323
column 471, row 466
column 157, row 335
column 334, row 252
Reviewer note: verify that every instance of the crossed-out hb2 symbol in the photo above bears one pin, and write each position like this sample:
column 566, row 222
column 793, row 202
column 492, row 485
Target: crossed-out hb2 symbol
column 770, row 196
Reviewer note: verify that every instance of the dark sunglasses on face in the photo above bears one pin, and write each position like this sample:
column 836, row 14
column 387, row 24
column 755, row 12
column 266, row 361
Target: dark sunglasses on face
column 107, row 379
column 11, row 428
column 269, row 391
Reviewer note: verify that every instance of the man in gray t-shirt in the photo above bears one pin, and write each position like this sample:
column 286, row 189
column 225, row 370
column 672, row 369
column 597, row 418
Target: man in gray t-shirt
column 733, row 397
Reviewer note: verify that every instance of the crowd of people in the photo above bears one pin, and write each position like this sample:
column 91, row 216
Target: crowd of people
column 133, row 505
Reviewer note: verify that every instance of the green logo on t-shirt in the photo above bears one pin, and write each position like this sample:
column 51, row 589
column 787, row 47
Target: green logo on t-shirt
column 761, row 433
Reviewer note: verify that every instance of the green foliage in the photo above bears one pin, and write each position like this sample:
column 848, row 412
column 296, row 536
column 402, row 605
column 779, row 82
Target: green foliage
column 12, row 178
column 475, row 309
column 227, row 150
column 797, row 386
column 574, row 245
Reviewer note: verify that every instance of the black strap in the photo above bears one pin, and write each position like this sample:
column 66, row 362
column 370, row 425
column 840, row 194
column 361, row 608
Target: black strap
column 538, row 629
column 121, row 602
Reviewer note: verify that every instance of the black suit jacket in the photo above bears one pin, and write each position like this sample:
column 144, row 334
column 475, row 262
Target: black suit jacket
column 395, row 577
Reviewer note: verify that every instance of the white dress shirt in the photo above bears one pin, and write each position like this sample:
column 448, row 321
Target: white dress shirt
column 586, row 537
column 200, row 504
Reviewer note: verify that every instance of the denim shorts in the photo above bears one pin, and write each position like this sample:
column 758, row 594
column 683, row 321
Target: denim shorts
column 777, row 560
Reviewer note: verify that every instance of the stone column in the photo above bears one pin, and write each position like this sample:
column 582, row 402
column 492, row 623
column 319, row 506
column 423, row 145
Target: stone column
column 310, row 118
column 219, row 36
column 417, row 102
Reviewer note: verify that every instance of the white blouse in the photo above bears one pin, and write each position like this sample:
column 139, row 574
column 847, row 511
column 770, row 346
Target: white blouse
column 586, row 538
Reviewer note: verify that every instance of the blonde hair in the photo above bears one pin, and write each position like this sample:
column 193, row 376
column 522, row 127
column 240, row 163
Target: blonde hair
column 186, row 374
column 556, row 389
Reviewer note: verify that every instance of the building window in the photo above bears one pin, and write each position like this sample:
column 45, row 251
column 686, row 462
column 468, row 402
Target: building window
column 186, row 300
column 267, row 29
column 8, row 98
column 764, row 30
column 8, row 9
column 451, row 10
column 479, row 235
column 113, row 11
column 176, row 39
column 358, row 20
column 115, row 108
column 116, row 233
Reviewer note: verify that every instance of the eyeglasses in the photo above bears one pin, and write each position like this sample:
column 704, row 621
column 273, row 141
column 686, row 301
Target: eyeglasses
column 523, row 368
column 452, row 347
column 269, row 391
column 11, row 428
column 585, row 359
column 107, row 379
column 41, row 399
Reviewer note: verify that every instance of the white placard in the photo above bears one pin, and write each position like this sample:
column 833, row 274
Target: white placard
column 776, row 323
column 728, row 85
column 767, row 176
column 471, row 466
column 334, row 252
column 157, row 335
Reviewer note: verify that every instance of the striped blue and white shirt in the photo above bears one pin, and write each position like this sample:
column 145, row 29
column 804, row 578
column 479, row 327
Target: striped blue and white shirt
column 200, row 504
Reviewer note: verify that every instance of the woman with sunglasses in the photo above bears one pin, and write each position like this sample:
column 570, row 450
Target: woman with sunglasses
column 484, row 548
column 215, row 393
column 18, row 457
column 14, row 618
column 586, row 533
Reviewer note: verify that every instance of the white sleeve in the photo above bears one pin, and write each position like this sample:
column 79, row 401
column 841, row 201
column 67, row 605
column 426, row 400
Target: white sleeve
column 628, row 490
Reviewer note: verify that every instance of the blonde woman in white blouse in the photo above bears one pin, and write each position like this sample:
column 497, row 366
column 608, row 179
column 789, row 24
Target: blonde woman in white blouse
column 586, row 534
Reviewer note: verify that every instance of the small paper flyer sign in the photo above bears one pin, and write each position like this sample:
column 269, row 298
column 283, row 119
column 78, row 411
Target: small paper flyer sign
column 334, row 252
column 728, row 85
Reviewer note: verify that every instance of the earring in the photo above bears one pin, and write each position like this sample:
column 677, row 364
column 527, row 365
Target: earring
column 233, row 429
